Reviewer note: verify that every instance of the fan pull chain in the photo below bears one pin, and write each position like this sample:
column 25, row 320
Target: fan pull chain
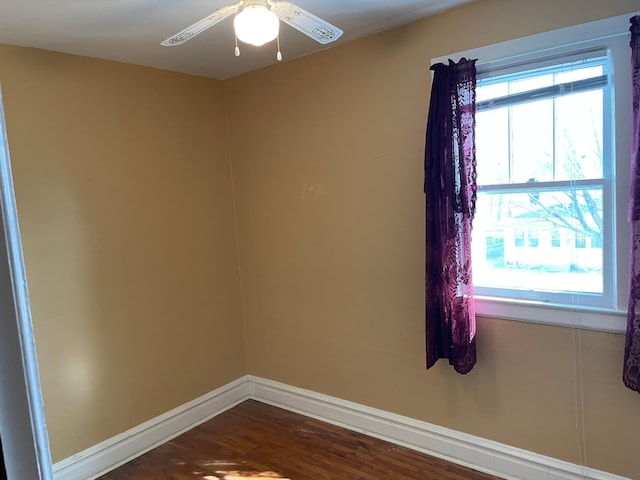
column 237, row 50
column 279, row 54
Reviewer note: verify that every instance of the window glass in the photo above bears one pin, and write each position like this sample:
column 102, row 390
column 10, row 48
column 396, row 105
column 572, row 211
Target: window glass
column 578, row 135
column 531, row 132
column 530, row 83
column 492, row 142
column 551, row 259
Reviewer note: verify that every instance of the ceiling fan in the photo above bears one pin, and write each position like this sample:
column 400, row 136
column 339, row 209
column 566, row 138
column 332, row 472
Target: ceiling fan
column 258, row 22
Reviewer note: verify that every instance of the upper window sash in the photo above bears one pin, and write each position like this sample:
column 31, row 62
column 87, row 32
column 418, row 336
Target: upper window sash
column 552, row 91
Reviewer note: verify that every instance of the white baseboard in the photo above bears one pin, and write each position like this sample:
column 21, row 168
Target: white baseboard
column 105, row 456
column 484, row 455
column 474, row 452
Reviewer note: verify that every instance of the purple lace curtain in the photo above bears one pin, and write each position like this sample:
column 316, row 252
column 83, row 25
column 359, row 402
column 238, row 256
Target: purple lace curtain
column 450, row 188
column 631, row 371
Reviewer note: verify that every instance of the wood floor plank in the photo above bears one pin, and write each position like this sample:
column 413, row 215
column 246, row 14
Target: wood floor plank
column 254, row 441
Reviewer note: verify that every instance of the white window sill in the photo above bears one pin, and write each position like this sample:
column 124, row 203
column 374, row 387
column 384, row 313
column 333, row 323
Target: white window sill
column 590, row 318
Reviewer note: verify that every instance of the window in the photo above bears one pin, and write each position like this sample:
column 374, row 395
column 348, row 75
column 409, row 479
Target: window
column 518, row 237
column 545, row 162
column 552, row 137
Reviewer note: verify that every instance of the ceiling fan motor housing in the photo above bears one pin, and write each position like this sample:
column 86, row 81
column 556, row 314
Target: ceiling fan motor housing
column 256, row 24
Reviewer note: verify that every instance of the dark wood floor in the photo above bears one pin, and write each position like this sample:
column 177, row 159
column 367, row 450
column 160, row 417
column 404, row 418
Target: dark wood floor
column 254, row 441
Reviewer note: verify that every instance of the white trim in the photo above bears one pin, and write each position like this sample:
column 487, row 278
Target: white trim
column 587, row 318
column 474, row 452
column 105, row 456
column 539, row 42
column 22, row 422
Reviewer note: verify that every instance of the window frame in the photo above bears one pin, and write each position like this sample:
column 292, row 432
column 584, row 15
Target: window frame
column 609, row 34
column 587, row 54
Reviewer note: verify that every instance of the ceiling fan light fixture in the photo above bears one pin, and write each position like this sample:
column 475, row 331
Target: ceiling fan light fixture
column 256, row 25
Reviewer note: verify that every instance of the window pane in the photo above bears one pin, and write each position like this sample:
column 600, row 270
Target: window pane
column 579, row 136
column 531, row 142
column 491, row 90
column 530, row 83
column 574, row 74
column 557, row 223
column 492, row 146
column 553, row 139
column 518, row 237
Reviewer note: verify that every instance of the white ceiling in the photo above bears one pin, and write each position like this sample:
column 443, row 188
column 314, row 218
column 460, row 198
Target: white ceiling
column 131, row 30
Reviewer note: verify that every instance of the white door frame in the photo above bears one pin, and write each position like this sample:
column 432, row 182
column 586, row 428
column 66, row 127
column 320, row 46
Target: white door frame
column 22, row 424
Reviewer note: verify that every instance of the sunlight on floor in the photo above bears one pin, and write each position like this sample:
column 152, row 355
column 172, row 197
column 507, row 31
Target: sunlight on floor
column 233, row 470
column 244, row 476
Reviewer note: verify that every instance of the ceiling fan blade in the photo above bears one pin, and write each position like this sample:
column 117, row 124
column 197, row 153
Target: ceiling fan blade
column 200, row 26
column 320, row 30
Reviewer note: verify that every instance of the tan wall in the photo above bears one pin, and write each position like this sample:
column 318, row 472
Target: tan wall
column 327, row 159
column 123, row 188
